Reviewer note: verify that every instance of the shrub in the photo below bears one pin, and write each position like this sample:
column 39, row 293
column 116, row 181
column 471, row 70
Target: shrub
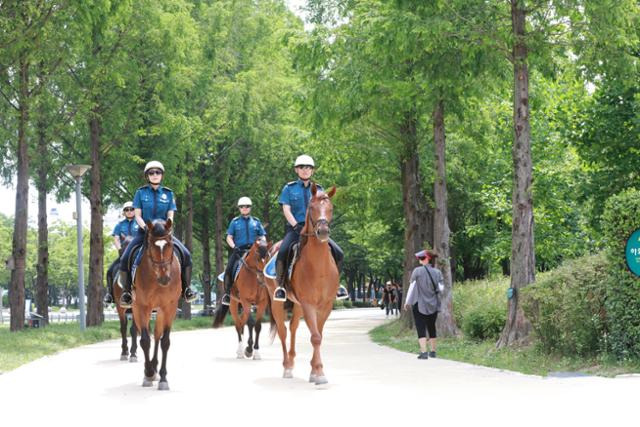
column 619, row 220
column 480, row 307
column 566, row 306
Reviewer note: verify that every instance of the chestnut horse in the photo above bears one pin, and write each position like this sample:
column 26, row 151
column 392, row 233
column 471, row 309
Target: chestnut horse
column 157, row 286
column 314, row 284
column 248, row 290
column 122, row 312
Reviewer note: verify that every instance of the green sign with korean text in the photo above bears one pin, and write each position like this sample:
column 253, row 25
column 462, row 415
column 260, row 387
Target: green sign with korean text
column 632, row 252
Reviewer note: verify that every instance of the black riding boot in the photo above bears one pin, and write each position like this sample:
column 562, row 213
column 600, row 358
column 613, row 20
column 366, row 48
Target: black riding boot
column 125, row 280
column 280, row 293
column 342, row 291
column 187, row 293
column 108, row 297
column 226, row 299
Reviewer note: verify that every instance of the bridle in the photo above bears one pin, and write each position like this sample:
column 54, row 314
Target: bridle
column 167, row 241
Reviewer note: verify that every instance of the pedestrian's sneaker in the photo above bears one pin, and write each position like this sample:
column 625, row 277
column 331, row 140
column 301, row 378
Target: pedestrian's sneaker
column 432, row 354
column 424, row 355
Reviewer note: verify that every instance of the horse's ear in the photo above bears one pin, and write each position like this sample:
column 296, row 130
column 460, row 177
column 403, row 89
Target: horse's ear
column 168, row 224
column 332, row 192
column 149, row 225
column 314, row 189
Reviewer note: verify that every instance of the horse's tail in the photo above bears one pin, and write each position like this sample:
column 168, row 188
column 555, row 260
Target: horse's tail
column 221, row 313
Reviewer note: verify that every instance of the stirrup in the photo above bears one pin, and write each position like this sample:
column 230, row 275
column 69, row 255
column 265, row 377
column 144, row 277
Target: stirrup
column 342, row 293
column 280, row 294
column 108, row 299
column 126, row 300
column 189, row 296
column 226, row 300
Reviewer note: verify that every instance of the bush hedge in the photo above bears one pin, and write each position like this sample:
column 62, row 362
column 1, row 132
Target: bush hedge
column 480, row 307
column 566, row 306
column 620, row 218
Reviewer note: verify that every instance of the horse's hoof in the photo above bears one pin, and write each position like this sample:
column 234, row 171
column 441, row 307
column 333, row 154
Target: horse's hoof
column 288, row 373
column 156, row 377
column 239, row 355
column 312, row 378
column 321, row 379
column 133, row 359
column 124, row 357
column 256, row 356
column 248, row 354
column 163, row 385
column 147, row 382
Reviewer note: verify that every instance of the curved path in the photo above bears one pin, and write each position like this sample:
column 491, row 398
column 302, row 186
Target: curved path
column 367, row 382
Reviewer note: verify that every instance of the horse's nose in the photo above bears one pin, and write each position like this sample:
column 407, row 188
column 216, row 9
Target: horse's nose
column 163, row 280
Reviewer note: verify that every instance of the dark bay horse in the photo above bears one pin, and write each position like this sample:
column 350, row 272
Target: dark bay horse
column 122, row 312
column 314, row 284
column 157, row 287
column 249, row 289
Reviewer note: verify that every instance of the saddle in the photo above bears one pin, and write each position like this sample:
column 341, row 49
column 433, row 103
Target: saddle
column 290, row 261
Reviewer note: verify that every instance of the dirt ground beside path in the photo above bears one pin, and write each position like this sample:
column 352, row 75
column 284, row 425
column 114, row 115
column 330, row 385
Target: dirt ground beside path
column 367, row 383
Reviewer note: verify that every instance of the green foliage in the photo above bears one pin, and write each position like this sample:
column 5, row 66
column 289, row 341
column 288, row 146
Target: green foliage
column 619, row 220
column 479, row 307
column 566, row 307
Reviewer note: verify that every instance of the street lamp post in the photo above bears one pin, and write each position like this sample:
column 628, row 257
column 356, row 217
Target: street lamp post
column 77, row 171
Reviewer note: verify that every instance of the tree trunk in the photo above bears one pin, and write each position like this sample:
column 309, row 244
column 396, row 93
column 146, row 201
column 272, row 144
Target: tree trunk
column 418, row 224
column 517, row 326
column 17, row 262
column 188, row 233
column 42, row 283
column 446, row 323
column 206, row 257
column 219, row 231
column 95, row 288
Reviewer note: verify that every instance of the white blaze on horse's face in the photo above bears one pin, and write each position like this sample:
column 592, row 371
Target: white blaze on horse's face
column 160, row 244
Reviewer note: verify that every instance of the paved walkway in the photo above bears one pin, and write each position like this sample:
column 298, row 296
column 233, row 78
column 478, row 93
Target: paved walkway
column 367, row 383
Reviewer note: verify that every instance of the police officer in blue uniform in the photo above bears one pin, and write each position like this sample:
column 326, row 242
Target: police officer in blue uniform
column 294, row 199
column 151, row 202
column 242, row 233
column 127, row 227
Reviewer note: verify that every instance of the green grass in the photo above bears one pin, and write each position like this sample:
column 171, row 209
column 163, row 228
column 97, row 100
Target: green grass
column 528, row 360
column 18, row 348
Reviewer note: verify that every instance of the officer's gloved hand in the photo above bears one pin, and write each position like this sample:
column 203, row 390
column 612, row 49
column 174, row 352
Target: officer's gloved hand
column 298, row 227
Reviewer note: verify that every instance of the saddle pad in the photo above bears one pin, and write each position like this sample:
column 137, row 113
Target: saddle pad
column 221, row 277
column 136, row 256
column 270, row 269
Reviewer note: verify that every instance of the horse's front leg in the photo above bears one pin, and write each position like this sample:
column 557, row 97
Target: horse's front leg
column 133, row 357
column 278, row 315
column 258, row 328
column 237, row 322
column 123, row 333
column 293, row 327
column 311, row 318
column 165, row 342
column 246, row 319
column 145, row 343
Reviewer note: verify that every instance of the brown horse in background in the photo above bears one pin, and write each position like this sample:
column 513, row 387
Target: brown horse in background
column 157, row 286
column 314, row 284
column 122, row 312
column 248, row 290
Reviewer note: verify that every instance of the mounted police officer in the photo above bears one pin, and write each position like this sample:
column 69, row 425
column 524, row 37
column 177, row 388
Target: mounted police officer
column 151, row 202
column 242, row 232
column 125, row 228
column 294, row 199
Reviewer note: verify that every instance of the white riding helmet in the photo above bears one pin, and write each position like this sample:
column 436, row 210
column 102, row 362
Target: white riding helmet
column 304, row 160
column 154, row 164
column 127, row 205
column 242, row 201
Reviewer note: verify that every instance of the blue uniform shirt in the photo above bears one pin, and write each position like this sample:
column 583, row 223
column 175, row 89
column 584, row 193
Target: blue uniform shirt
column 126, row 227
column 296, row 195
column 245, row 230
column 155, row 204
